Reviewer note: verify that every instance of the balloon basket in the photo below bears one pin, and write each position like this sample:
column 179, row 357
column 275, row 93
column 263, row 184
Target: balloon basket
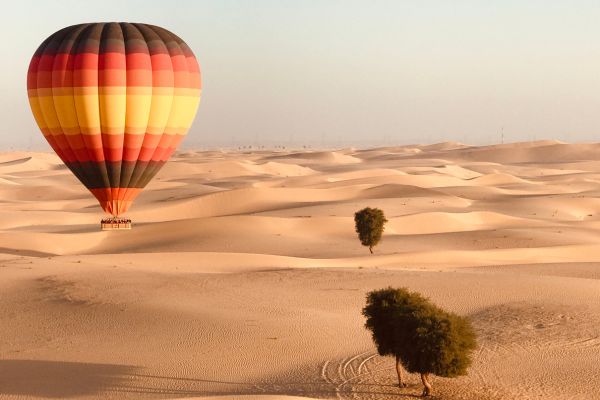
column 115, row 224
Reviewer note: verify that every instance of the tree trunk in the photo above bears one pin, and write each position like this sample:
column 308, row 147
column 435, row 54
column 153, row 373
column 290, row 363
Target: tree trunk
column 371, row 249
column 399, row 369
column 426, row 384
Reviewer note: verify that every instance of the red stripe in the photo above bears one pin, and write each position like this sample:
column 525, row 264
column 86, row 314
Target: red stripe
column 62, row 143
column 85, row 77
column 62, row 78
column 86, row 61
column 75, row 141
column 32, row 81
column 194, row 81
column 44, row 79
column 112, row 77
column 45, row 63
column 112, row 140
column 139, row 61
column 131, row 153
column 65, row 75
column 192, row 65
column 95, row 154
column 112, row 61
column 139, row 78
column 33, row 64
column 61, row 62
column 163, row 78
column 146, row 153
column 161, row 62
column 163, row 154
column 129, row 147
column 55, row 147
column 81, row 154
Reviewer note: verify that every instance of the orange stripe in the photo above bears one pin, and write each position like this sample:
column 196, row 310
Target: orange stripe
column 116, row 201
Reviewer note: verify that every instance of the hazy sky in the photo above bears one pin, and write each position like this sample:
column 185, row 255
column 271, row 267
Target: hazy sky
column 351, row 72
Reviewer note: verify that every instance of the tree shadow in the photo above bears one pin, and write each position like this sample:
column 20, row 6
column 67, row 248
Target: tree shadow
column 317, row 389
column 59, row 379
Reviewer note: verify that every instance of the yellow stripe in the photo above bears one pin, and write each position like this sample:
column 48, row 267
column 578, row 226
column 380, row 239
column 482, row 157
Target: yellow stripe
column 49, row 113
column 159, row 110
column 183, row 111
column 65, row 111
column 37, row 112
column 88, row 113
column 114, row 114
column 137, row 113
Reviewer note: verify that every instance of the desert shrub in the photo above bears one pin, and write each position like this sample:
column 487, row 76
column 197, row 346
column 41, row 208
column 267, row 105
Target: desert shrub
column 369, row 224
column 424, row 338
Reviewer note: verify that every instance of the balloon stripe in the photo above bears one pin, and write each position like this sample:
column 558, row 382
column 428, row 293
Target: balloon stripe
column 161, row 105
column 113, row 108
column 96, row 183
column 87, row 107
column 51, row 117
column 138, row 106
column 78, row 142
column 180, row 80
column 64, row 103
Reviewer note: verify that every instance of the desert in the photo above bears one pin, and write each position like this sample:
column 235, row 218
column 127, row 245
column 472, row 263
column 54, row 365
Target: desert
column 243, row 277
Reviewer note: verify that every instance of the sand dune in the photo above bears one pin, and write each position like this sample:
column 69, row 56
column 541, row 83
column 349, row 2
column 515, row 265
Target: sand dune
column 243, row 277
column 335, row 157
column 538, row 152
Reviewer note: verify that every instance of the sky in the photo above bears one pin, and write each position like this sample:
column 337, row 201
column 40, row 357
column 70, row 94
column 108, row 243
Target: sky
column 350, row 73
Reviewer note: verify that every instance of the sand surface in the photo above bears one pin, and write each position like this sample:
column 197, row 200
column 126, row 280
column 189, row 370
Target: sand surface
column 243, row 274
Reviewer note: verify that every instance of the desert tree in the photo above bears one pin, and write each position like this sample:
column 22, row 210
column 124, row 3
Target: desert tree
column 422, row 337
column 369, row 224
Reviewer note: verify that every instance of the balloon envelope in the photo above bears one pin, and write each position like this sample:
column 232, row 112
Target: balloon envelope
column 114, row 100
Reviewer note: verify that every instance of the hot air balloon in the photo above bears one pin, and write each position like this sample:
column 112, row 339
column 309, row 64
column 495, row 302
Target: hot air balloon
column 114, row 100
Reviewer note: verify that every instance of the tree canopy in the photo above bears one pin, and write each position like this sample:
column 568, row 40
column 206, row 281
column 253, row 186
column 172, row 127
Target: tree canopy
column 369, row 224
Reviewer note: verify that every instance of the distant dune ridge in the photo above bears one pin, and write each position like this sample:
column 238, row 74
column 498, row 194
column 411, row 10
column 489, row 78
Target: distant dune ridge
column 243, row 275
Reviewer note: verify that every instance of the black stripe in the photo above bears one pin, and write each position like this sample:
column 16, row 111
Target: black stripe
column 97, row 175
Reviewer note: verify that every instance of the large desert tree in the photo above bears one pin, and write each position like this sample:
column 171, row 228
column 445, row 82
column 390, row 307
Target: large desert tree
column 369, row 224
column 421, row 336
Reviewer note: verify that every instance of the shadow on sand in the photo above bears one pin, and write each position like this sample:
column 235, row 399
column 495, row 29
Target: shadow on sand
column 59, row 379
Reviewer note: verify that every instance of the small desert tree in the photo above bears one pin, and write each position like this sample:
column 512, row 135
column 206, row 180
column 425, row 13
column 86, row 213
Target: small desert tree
column 369, row 224
column 424, row 338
